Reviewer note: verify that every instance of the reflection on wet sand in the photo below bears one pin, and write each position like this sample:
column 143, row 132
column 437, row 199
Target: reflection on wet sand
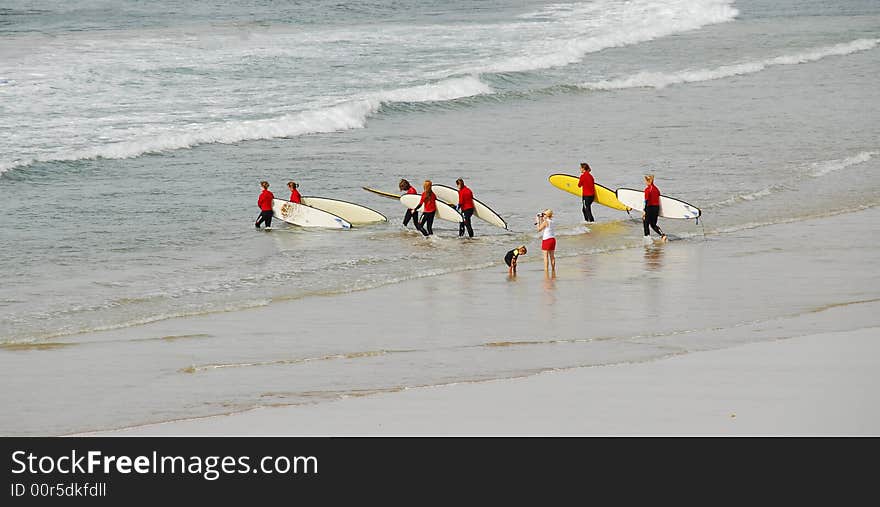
column 654, row 256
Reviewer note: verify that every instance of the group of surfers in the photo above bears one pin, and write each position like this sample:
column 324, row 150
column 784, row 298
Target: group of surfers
column 543, row 221
column 428, row 203
column 652, row 200
column 264, row 201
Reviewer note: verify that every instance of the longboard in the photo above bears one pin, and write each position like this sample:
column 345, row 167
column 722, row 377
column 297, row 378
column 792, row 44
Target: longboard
column 483, row 212
column 604, row 195
column 306, row 216
column 444, row 211
column 383, row 194
column 350, row 212
column 669, row 207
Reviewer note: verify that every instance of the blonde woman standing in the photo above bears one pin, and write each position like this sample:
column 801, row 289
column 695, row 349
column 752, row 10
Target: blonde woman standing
column 548, row 239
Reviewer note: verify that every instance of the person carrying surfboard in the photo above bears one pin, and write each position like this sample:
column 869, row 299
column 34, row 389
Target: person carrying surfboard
column 652, row 208
column 429, row 200
column 544, row 221
column 588, row 191
column 466, row 206
column 511, row 257
column 294, row 193
column 265, row 204
column 404, row 186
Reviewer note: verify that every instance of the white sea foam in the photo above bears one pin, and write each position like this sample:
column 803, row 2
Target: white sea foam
column 145, row 91
column 764, row 192
column 662, row 80
column 815, row 169
column 830, row 166
column 351, row 114
column 778, row 221
column 583, row 28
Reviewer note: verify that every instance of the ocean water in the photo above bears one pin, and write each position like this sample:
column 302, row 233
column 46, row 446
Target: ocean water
column 134, row 136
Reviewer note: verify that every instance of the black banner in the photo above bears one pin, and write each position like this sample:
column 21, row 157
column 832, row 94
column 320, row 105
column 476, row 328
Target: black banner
column 57, row 471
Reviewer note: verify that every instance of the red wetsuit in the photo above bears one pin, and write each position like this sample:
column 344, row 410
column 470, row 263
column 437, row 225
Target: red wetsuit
column 295, row 197
column 430, row 203
column 587, row 184
column 465, row 198
column 265, row 200
column 652, row 195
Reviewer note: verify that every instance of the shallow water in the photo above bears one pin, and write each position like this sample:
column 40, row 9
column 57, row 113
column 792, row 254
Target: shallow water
column 634, row 304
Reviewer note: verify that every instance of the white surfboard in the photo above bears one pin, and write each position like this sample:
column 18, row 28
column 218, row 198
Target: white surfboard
column 483, row 212
column 444, row 211
column 669, row 207
column 350, row 212
column 306, row 216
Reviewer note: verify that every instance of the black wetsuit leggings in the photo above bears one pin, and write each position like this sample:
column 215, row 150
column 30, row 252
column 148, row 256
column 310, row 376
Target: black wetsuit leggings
column 652, row 213
column 468, row 213
column 265, row 216
column 426, row 224
column 410, row 214
column 588, row 210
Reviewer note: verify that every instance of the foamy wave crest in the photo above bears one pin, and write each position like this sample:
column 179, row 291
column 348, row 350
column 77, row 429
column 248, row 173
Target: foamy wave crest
column 628, row 23
column 449, row 89
column 823, row 168
column 661, row 80
column 347, row 115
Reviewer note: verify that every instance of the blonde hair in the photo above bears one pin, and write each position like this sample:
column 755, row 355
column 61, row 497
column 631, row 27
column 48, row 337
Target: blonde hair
column 548, row 212
column 649, row 176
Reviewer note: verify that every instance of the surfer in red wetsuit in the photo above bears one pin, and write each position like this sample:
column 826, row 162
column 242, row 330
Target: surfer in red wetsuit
column 652, row 207
column 404, row 186
column 466, row 206
column 429, row 200
column 265, row 204
column 588, row 191
column 294, row 193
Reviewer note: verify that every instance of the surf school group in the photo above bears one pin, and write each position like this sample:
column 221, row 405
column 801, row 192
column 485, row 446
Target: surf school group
column 459, row 205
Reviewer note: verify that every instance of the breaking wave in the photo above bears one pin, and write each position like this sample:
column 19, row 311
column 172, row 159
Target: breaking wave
column 661, row 80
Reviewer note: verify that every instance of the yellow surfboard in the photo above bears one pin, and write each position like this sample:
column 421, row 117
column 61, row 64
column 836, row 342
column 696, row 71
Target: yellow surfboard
column 604, row 196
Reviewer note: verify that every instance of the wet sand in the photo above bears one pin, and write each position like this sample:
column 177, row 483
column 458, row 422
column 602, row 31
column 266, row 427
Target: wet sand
column 823, row 384
column 728, row 335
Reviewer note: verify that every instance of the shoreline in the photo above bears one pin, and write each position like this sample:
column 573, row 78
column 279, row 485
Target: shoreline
column 641, row 304
column 457, row 330
column 805, row 385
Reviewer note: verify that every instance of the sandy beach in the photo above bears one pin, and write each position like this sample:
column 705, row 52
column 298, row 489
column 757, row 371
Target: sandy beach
column 820, row 384
column 720, row 367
